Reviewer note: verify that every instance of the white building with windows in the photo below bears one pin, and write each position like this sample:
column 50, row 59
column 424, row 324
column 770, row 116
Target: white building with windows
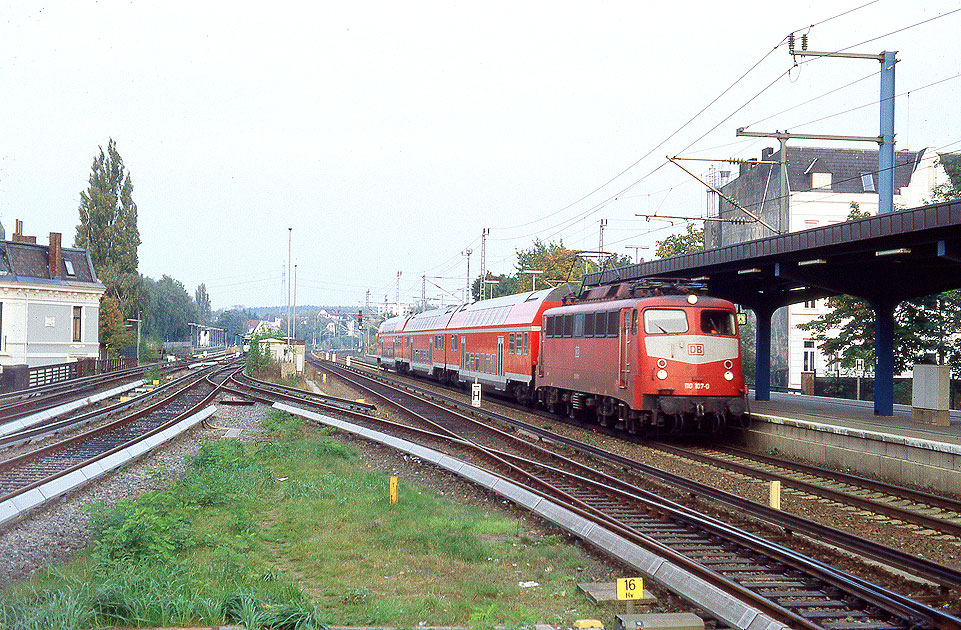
column 825, row 184
column 49, row 302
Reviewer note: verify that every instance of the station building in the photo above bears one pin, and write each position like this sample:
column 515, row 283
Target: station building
column 824, row 185
column 49, row 302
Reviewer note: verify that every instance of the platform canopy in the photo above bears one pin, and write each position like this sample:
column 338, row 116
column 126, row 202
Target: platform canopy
column 883, row 259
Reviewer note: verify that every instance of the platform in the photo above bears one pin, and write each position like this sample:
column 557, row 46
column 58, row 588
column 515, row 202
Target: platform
column 846, row 434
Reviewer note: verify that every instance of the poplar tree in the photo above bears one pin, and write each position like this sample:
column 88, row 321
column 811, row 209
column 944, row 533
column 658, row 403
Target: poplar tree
column 108, row 229
column 202, row 299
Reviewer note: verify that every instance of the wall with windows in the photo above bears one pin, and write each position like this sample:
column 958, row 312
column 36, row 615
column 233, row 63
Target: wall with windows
column 44, row 324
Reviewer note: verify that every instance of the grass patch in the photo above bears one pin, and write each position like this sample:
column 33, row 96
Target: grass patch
column 293, row 531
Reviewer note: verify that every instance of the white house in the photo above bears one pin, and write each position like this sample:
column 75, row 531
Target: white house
column 49, row 302
column 823, row 184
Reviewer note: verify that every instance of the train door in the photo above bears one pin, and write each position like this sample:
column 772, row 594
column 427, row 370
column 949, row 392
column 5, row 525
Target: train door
column 500, row 356
column 624, row 348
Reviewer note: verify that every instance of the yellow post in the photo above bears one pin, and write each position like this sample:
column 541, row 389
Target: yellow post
column 393, row 489
column 776, row 495
column 325, row 379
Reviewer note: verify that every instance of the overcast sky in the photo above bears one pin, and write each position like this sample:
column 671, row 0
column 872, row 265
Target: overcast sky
column 388, row 135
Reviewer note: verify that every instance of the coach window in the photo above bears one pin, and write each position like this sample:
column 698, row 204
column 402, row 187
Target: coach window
column 589, row 324
column 568, row 325
column 526, row 339
column 718, row 323
column 613, row 323
column 660, row 321
column 510, row 343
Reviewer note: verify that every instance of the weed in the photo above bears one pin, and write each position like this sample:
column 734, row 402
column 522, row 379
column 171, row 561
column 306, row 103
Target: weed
column 356, row 595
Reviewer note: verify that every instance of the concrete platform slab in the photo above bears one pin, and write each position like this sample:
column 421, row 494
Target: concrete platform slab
column 606, row 592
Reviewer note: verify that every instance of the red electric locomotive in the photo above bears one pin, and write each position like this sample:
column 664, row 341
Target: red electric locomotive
column 649, row 361
column 650, row 356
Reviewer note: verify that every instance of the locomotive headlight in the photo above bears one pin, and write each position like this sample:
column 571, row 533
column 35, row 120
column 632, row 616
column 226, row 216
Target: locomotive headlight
column 692, row 299
column 729, row 376
column 662, row 374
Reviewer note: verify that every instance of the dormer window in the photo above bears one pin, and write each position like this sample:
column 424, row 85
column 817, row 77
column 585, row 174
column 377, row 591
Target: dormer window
column 69, row 266
column 821, row 180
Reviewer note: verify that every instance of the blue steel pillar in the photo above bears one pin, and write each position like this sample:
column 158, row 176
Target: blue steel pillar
column 886, row 149
column 883, row 358
column 762, row 354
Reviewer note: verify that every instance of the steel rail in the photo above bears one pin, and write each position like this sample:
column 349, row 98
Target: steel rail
column 896, row 604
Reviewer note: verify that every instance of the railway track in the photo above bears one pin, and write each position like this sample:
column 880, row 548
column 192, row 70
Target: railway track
column 269, row 393
column 912, row 510
column 798, row 591
column 15, row 405
column 32, row 477
column 904, row 506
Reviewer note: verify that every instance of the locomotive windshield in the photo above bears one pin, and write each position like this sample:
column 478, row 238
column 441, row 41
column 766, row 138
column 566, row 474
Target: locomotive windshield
column 718, row 323
column 665, row 321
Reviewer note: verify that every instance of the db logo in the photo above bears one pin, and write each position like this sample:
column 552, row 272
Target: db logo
column 696, row 349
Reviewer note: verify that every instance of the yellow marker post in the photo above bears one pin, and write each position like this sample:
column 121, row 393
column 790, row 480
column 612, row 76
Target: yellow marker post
column 630, row 589
column 325, row 379
column 776, row 495
column 393, row 490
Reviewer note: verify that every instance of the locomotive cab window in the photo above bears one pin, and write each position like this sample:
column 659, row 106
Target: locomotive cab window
column 579, row 325
column 718, row 323
column 548, row 326
column 665, row 321
column 589, row 325
column 568, row 325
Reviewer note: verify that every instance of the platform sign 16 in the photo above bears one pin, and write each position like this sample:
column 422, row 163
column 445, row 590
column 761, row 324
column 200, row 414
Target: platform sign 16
column 630, row 588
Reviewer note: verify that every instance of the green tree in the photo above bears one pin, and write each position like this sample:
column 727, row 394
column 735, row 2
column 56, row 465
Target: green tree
column 234, row 322
column 506, row 285
column 171, row 309
column 677, row 244
column 108, row 228
column 113, row 331
column 202, row 300
column 952, row 188
column 558, row 263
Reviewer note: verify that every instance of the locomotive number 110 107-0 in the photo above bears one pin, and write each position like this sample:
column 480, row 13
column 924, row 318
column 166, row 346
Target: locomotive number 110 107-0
column 697, row 386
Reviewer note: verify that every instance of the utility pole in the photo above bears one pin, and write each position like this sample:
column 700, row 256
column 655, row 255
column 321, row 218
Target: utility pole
column 483, row 271
column 636, row 249
column 600, row 242
column 533, row 273
column 885, row 139
column 290, row 245
column 467, row 252
column 293, row 319
column 397, row 295
column 139, row 318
